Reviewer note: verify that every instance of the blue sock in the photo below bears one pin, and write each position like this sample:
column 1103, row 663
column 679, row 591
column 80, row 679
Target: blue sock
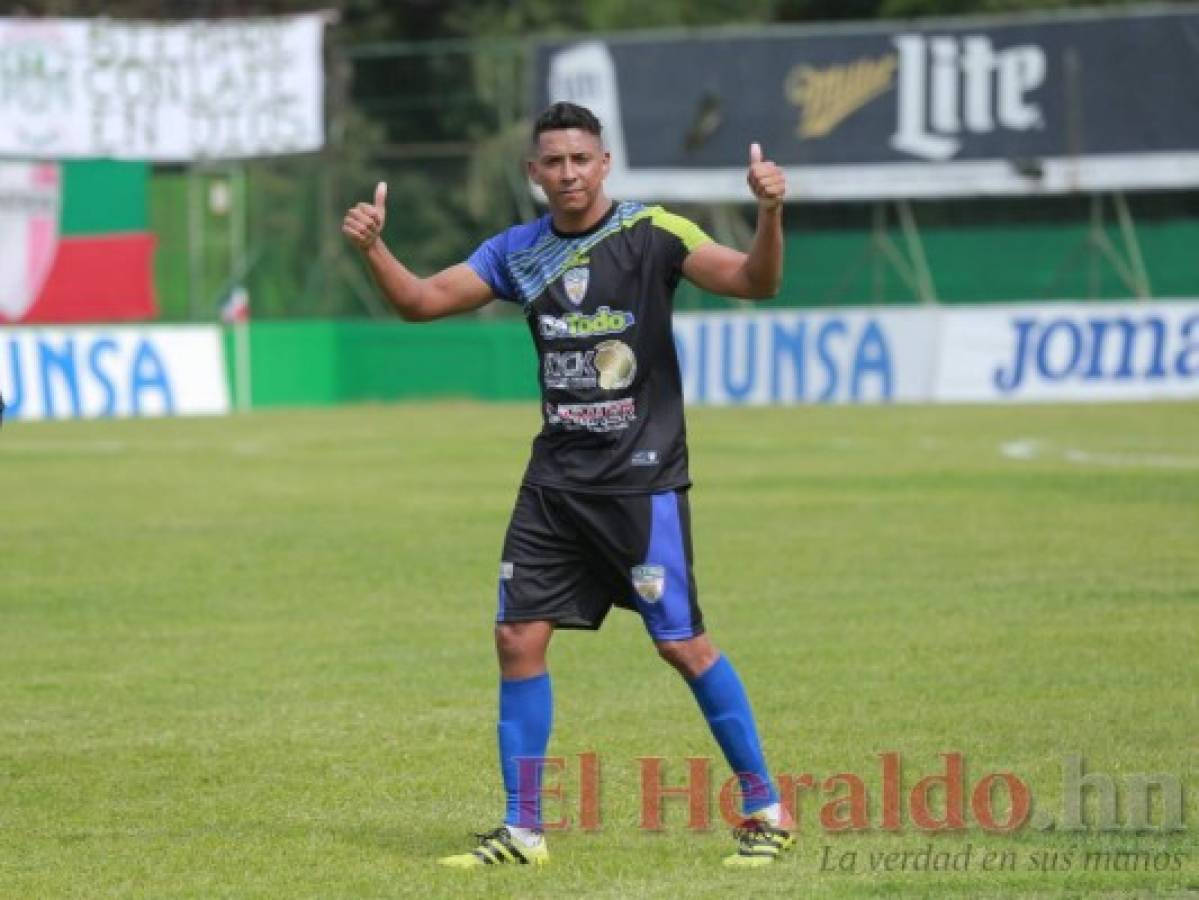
column 722, row 699
column 526, row 711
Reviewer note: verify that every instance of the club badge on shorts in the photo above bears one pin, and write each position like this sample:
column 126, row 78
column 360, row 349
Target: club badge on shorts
column 650, row 582
column 575, row 282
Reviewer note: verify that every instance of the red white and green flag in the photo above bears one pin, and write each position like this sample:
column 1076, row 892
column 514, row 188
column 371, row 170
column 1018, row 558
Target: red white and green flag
column 75, row 243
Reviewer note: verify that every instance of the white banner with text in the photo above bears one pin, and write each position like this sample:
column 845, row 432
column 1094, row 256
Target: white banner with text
column 1057, row 352
column 192, row 90
column 93, row 373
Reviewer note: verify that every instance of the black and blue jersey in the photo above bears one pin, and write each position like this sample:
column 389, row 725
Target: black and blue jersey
column 598, row 304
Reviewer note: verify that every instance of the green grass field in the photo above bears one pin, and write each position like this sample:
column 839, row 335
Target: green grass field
column 251, row 657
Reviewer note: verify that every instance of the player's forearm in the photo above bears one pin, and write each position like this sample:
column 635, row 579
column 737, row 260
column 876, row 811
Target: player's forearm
column 763, row 269
column 404, row 290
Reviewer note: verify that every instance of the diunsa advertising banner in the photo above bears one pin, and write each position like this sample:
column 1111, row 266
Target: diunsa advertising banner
column 806, row 356
column 89, row 373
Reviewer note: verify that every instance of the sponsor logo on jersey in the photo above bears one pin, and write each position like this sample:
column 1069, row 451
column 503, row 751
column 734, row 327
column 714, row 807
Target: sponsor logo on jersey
column 610, row 415
column 645, row 458
column 604, row 321
column 616, row 363
column 649, row 581
column 575, row 282
column 569, row 370
column 611, row 366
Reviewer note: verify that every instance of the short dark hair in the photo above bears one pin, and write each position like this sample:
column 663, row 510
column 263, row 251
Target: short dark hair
column 562, row 115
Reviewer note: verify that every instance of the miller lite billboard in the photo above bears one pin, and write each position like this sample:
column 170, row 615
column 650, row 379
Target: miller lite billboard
column 936, row 108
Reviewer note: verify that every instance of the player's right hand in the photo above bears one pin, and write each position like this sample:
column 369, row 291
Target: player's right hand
column 364, row 221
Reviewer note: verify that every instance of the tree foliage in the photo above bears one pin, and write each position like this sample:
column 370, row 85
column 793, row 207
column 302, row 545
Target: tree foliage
column 408, row 20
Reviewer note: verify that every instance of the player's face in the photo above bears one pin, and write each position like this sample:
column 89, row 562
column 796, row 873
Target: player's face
column 570, row 166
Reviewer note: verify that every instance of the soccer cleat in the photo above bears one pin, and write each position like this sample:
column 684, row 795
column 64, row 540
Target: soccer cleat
column 498, row 847
column 759, row 844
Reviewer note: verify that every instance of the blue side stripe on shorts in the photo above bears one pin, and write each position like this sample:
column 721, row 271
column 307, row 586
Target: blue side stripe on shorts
column 669, row 618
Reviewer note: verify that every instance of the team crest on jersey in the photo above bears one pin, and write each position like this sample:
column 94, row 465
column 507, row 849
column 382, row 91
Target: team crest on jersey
column 575, row 282
column 650, row 582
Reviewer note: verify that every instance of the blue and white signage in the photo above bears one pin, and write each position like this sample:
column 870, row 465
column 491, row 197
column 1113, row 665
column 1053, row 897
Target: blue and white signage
column 85, row 373
column 818, row 356
column 1063, row 352
column 1069, row 352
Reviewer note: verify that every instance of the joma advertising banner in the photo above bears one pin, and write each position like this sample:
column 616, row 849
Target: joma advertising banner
column 74, row 373
column 1060, row 352
column 923, row 109
column 75, row 242
column 1069, row 352
column 192, row 90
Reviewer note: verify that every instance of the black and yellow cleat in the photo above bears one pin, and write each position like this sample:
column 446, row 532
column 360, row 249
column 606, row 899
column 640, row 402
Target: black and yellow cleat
column 759, row 844
column 496, row 848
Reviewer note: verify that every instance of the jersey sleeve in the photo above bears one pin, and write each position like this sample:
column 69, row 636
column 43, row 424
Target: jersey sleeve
column 489, row 262
column 682, row 235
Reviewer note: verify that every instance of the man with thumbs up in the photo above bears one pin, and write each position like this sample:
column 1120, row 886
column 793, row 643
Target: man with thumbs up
column 602, row 516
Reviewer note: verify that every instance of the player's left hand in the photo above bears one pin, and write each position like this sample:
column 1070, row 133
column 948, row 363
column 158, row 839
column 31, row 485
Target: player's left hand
column 765, row 179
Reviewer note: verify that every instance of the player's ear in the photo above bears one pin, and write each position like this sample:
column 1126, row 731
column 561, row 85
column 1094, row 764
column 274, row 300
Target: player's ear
column 607, row 163
column 531, row 170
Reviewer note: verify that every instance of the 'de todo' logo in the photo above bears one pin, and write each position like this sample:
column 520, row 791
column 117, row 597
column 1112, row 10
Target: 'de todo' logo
column 603, row 321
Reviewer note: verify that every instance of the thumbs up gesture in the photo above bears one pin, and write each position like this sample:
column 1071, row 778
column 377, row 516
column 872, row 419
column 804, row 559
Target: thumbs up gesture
column 364, row 221
column 765, row 179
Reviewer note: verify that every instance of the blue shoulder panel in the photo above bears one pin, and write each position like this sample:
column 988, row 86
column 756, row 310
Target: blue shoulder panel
column 490, row 260
column 534, row 268
column 521, row 262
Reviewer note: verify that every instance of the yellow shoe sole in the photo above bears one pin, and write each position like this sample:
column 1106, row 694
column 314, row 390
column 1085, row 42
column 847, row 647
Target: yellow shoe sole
column 470, row 861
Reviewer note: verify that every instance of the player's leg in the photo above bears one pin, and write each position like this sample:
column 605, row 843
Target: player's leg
column 525, row 718
column 522, row 736
column 722, row 699
column 666, row 596
column 538, row 590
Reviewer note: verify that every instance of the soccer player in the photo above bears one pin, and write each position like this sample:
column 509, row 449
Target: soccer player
column 601, row 517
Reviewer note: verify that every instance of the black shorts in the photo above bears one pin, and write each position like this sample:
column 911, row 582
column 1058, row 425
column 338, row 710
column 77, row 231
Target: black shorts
column 569, row 557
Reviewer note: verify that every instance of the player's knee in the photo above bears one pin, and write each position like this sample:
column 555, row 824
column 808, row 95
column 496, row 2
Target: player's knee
column 691, row 658
column 520, row 643
column 509, row 643
column 669, row 651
